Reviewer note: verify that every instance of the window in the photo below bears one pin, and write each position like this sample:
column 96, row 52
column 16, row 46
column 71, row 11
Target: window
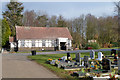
column 22, row 43
column 43, row 42
column 33, row 43
column 52, row 42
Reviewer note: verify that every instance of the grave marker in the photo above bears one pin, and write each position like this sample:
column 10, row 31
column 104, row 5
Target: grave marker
column 100, row 56
column 86, row 61
column 119, row 61
column 92, row 54
column 113, row 52
column 106, row 64
column 78, row 59
column 68, row 55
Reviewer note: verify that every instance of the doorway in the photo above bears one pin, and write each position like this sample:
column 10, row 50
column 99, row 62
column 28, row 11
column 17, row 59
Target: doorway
column 62, row 45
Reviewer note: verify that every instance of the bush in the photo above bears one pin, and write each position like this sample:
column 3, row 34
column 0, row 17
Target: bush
column 115, row 44
column 92, row 45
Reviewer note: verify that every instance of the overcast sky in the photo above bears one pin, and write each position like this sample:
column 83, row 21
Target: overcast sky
column 70, row 9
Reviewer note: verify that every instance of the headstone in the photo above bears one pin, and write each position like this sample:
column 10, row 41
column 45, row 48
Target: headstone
column 82, row 63
column 68, row 55
column 78, row 59
column 119, row 61
column 64, row 58
column 100, row 56
column 85, row 58
column 86, row 61
column 113, row 52
column 106, row 64
column 119, row 53
column 92, row 54
column 119, row 65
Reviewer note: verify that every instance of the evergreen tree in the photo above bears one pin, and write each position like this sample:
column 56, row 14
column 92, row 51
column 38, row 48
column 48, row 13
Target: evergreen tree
column 61, row 22
column 5, row 32
column 13, row 14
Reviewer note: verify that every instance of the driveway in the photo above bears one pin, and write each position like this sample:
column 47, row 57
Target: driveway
column 18, row 66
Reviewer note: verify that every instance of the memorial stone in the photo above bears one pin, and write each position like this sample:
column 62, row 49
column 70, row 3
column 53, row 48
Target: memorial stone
column 78, row 59
column 100, row 56
column 92, row 54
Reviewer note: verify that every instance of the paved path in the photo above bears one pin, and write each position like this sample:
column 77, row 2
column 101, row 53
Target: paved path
column 18, row 66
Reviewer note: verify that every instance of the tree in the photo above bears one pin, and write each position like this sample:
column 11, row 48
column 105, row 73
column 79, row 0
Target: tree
column 5, row 32
column 117, row 4
column 91, row 27
column 61, row 22
column 0, row 33
column 42, row 20
column 13, row 14
column 29, row 18
column 53, row 21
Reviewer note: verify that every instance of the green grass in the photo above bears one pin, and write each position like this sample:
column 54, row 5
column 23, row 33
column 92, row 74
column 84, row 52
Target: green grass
column 111, row 48
column 41, row 59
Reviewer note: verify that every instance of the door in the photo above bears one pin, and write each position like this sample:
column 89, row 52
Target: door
column 62, row 45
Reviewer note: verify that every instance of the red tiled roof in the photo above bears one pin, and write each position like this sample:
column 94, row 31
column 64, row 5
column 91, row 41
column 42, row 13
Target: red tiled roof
column 11, row 39
column 23, row 32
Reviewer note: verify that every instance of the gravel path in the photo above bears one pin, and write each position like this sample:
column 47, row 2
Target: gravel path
column 18, row 66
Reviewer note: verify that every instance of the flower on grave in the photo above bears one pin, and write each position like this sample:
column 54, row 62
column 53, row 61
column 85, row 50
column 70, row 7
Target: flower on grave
column 57, row 62
column 96, row 67
column 50, row 59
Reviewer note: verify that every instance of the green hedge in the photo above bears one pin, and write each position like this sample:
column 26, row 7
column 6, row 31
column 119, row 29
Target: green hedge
column 93, row 45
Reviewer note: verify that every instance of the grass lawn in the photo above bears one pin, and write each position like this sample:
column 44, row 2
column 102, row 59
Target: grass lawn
column 41, row 59
column 111, row 48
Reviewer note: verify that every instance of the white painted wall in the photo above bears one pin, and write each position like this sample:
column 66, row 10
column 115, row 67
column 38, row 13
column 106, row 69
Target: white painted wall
column 48, row 43
column 12, row 45
column 38, row 43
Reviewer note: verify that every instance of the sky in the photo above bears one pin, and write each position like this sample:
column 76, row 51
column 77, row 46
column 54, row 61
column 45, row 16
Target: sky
column 70, row 9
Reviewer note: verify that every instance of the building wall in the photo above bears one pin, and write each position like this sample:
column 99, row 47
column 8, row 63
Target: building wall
column 38, row 43
column 49, row 45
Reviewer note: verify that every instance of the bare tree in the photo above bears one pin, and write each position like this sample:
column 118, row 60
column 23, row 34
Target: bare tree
column 53, row 21
column 29, row 18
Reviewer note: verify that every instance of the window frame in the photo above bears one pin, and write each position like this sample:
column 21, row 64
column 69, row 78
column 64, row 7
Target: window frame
column 43, row 43
column 33, row 43
column 22, row 43
column 52, row 43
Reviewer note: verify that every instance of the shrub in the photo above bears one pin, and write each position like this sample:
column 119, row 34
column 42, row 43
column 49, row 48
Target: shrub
column 92, row 45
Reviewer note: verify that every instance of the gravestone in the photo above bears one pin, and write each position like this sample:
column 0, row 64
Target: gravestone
column 119, row 65
column 64, row 58
column 119, row 61
column 100, row 56
column 78, row 59
column 86, row 61
column 92, row 54
column 82, row 63
column 113, row 51
column 119, row 53
column 68, row 55
column 106, row 64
